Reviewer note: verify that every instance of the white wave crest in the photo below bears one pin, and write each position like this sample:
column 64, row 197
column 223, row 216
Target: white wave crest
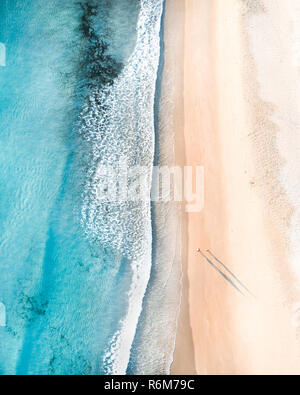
column 119, row 122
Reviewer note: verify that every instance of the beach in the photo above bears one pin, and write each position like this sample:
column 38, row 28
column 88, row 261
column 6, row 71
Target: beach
column 226, row 109
column 104, row 269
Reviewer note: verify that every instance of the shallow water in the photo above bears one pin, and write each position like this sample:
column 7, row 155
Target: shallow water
column 77, row 92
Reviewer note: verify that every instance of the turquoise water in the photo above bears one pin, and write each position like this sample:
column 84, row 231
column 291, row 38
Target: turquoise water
column 70, row 291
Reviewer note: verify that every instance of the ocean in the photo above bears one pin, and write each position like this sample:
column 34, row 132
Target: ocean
column 77, row 94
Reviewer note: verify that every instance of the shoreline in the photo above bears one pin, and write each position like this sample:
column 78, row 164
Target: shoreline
column 218, row 107
column 173, row 85
column 162, row 289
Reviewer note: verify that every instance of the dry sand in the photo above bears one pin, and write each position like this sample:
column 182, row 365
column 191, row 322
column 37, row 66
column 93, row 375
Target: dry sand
column 222, row 123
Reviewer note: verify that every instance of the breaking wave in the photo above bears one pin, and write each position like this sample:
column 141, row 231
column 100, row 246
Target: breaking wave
column 118, row 122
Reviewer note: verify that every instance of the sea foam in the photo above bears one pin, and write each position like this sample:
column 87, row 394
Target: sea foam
column 119, row 124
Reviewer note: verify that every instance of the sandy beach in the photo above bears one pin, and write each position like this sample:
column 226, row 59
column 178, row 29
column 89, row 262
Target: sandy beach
column 224, row 121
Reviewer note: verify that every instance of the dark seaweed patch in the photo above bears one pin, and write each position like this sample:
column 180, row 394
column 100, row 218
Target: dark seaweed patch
column 32, row 307
column 98, row 67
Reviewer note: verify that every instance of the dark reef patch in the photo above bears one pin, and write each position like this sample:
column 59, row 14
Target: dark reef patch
column 97, row 67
